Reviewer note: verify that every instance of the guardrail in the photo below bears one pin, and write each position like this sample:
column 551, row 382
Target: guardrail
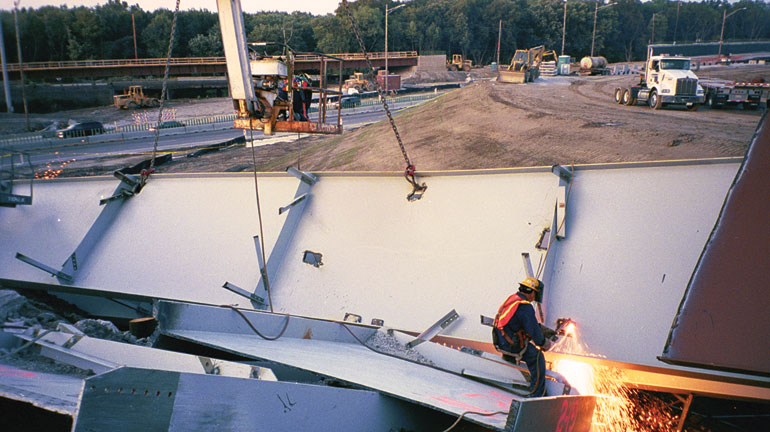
column 81, row 64
column 36, row 139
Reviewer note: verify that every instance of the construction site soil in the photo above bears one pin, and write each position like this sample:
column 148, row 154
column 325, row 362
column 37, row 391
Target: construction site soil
column 486, row 124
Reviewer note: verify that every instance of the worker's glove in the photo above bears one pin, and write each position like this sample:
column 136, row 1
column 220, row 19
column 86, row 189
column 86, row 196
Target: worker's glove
column 547, row 345
column 547, row 332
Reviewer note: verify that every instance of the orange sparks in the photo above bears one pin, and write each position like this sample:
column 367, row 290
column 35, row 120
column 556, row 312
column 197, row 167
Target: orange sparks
column 52, row 173
column 618, row 408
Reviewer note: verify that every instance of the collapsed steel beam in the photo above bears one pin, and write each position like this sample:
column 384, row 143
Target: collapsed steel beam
column 340, row 351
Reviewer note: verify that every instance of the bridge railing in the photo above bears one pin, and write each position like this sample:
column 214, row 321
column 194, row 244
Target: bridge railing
column 81, row 64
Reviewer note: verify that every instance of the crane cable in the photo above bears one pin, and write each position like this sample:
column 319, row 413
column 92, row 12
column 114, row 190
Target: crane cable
column 145, row 175
column 262, row 265
column 409, row 172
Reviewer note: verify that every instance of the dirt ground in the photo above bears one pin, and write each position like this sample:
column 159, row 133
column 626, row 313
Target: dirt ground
column 565, row 120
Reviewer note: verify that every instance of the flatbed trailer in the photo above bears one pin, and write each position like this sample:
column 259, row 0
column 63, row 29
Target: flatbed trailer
column 720, row 93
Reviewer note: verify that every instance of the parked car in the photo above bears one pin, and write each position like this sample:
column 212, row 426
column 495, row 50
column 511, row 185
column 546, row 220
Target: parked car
column 348, row 101
column 81, row 129
column 168, row 124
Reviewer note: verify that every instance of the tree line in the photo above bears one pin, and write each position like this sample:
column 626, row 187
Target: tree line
column 468, row 27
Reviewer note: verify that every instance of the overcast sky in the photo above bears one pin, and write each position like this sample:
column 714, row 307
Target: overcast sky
column 315, row 7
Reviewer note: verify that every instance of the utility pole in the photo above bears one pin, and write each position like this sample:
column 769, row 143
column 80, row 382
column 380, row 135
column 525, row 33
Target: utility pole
column 676, row 26
column 499, row 35
column 6, row 84
column 593, row 35
column 596, row 11
column 21, row 64
column 564, row 27
column 725, row 15
column 387, row 12
column 133, row 27
column 386, row 50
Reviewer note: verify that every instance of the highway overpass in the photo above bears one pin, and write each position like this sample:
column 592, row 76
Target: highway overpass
column 193, row 66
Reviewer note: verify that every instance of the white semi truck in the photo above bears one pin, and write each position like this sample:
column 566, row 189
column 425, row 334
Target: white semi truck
column 667, row 80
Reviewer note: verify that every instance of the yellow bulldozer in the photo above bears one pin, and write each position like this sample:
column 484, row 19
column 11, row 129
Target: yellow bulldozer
column 459, row 63
column 134, row 98
column 525, row 65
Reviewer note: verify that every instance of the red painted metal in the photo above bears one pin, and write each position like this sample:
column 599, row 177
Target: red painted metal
column 723, row 320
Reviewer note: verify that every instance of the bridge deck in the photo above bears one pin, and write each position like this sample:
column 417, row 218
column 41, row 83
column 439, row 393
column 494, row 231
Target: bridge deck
column 191, row 65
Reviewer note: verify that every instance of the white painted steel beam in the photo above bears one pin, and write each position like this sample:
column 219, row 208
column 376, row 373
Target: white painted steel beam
column 635, row 233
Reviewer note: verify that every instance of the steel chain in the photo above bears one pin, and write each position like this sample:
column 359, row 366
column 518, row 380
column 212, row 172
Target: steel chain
column 409, row 172
column 163, row 91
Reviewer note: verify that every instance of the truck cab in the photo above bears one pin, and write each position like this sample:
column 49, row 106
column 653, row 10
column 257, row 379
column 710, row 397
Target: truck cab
column 669, row 80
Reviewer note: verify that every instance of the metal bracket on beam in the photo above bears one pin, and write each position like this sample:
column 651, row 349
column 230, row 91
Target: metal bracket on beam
column 308, row 178
column 565, row 180
column 128, row 187
column 562, row 172
column 527, row 264
column 296, row 209
column 243, row 293
column 296, row 201
column 487, row 321
column 34, row 263
column 435, row 329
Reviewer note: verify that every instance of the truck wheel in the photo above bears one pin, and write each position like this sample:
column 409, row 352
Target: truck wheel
column 154, row 103
column 453, row 68
column 627, row 99
column 693, row 107
column 466, row 68
column 131, row 105
column 655, row 102
column 618, row 95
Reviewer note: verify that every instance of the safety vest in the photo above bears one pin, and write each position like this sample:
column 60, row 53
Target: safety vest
column 506, row 311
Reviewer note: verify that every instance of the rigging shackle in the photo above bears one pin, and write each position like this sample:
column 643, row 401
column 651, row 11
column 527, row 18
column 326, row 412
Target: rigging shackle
column 417, row 189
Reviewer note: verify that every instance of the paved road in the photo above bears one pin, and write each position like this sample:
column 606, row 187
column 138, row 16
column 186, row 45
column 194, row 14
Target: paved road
column 187, row 138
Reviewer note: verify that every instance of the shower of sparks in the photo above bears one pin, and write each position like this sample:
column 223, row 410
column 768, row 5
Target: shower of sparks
column 51, row 171
column 618, row 408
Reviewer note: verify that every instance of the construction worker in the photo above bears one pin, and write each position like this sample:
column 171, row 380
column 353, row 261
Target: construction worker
column 517, row 334
column 301, row 97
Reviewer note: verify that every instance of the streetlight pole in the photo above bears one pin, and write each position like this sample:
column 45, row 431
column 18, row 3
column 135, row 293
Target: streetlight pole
column 387, row 12
column 596, row 11
column 722, row 33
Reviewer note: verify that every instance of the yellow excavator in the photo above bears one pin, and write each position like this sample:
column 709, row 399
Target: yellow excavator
column 525, row 65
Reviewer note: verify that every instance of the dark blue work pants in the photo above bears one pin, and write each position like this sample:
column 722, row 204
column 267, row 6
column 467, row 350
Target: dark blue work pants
column 535, row 361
